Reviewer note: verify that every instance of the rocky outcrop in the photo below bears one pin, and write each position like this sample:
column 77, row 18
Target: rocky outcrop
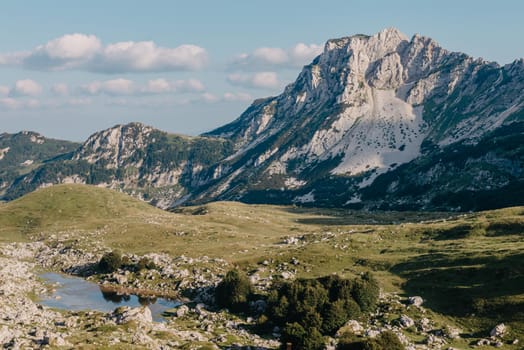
column 363, row 108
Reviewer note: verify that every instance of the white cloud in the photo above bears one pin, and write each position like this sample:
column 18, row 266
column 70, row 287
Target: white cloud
column 260, row 80
column 25, row 87
column 60, row 89
column 272, row 57
column 9, row 103
column 86, row 52
column 124, row 87
column 146, row 56
column 113, row 87
column 209, row 97
column 4, row 90
column 237, row 96
column 71, row 46
column 302, row 54
column 159, row 86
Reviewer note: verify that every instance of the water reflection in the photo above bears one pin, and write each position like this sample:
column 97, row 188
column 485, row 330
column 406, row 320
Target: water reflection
column 74, row 293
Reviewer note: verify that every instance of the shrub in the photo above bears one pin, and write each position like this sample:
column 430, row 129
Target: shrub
column 334, row 317
column 308, row 308
column 386, row 340
column 145, row 263
column 366, row 292
column 110, row 262
column 300, row 338
column 233, row 291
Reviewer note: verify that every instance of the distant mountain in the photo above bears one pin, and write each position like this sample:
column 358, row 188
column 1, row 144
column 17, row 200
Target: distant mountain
column 22, row 152
column 380, row 121
column 153, row 165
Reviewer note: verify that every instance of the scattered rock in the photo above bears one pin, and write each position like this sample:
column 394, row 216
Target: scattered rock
column 451, row 332
column 125, row 314
column 498, row 331
column 351, row 326
column 483, row 341
column 416, row 301
column 405, row 321
column 181, row 310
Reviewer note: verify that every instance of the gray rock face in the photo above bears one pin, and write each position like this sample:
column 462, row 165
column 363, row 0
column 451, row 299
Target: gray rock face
column 498, row 331
column 365, row 106
column 125, row 314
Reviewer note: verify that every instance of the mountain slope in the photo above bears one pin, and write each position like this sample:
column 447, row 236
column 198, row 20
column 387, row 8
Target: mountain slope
column 364, row 107
column 24, row 151
column 149, row 163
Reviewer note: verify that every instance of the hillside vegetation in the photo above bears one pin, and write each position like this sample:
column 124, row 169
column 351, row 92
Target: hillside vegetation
column 469, row 268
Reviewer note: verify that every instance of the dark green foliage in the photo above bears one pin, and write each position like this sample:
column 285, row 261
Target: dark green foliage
column 310, row 308
column 366, row 292
column 386, row 340
column 233, row 291
column 145, row 263
column 110, row 262
column 334, row 316
column 300, row 338
column 23, row 146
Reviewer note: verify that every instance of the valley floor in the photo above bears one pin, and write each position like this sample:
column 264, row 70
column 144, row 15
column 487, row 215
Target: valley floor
column 467, row 269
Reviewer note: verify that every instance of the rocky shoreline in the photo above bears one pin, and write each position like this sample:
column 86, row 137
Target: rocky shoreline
column 25, row 324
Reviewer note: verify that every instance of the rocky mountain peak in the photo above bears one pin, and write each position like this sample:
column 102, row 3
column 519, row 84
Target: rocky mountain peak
column 115, row 145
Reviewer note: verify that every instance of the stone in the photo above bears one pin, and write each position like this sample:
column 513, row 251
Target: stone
column 371, row 333
column 451, row 332
column 435, row 341
column 352, row 326
column 181, row 310
column 125, row 314
column 424, row 325
column 416, row 301
column 498, row 331
column 286, row 275
column 405, row 321
column 483, row 341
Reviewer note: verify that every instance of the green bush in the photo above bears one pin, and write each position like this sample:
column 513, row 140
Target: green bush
column 307, row 309
column 233, row 291
column 366, row 292
column 300, row 338
column 110, row 262
column 145, row 263
column 386, row 340
column 389, row 341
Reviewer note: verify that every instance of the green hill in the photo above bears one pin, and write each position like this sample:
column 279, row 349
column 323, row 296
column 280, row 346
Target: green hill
column 469, row 268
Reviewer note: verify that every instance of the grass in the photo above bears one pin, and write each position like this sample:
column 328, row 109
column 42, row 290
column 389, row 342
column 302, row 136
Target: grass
column 469, row 268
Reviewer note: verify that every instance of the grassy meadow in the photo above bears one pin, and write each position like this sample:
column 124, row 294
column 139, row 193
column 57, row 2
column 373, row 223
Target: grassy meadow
column 468, row 267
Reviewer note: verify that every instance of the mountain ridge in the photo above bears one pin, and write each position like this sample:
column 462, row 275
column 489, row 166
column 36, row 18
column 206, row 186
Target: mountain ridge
column 368, row 106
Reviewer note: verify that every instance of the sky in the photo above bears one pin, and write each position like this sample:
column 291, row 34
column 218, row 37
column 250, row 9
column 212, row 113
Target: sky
column 71, row 68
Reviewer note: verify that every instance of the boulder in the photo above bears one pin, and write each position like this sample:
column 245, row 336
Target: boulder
column 351, row 326
column 498, row 331
column 125, row 314
column 181, row 310
column 406, row 321
column 416, row 301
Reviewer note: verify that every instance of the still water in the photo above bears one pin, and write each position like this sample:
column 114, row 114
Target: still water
column 75, row 294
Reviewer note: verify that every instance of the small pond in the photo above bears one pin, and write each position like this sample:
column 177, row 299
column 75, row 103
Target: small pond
column 74, row 293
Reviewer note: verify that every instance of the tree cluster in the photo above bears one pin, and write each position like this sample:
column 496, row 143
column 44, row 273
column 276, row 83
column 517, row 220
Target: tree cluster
column 308, row 309
column 384, row 341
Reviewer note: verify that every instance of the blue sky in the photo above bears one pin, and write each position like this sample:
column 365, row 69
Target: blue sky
column 69, row 68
